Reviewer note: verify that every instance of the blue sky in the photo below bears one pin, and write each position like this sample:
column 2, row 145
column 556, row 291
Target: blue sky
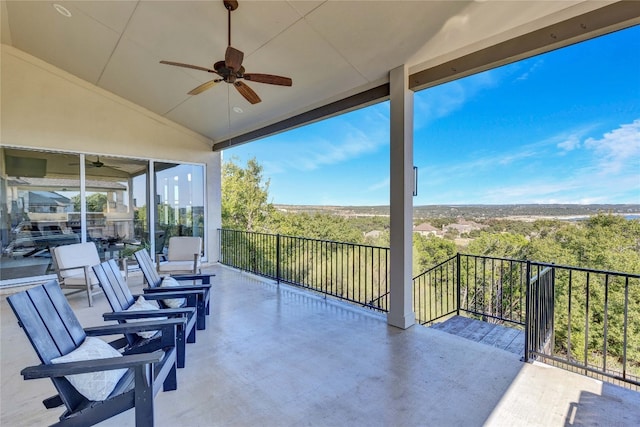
column 563, row 127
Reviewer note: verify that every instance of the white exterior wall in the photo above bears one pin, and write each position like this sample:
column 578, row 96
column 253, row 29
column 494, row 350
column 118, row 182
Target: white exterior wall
column 43, row 107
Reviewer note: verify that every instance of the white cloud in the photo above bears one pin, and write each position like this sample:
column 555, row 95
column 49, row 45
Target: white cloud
column 617, row 149
column 380, row 185
column 321, row 152
column 598, row 170
column 441, row 101
column 570, row 144
column 525, row 75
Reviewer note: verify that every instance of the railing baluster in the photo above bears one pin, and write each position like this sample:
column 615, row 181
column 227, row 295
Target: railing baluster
column 606, row 321
column 569, row 315
column 586, row 324
column 626, row 318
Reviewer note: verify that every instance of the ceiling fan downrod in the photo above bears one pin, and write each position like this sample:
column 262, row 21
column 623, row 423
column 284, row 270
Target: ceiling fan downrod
column 230, row 5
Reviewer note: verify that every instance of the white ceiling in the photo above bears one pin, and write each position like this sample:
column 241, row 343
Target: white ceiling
column 331, row 49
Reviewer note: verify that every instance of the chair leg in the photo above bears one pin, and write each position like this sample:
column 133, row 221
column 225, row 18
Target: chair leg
column 191, row 338
column 89, row 294
column 180, row 347
column 171, row 382
column 143, row 396
column 201, row 323
column 87, row 280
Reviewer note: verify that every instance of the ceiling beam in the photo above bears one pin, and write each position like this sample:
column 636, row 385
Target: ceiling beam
column 359, row 100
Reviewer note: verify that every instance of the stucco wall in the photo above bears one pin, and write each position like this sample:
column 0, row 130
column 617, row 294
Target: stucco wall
column 44, row 107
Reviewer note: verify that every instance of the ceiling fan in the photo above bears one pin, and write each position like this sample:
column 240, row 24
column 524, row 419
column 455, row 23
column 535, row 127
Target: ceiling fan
column 95, row 164
column 231, row 70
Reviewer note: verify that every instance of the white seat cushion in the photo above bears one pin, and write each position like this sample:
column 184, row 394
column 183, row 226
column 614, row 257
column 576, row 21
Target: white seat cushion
column 93, row 385
column 80, row 280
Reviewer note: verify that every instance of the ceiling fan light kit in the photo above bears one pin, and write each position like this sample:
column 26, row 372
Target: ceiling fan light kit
column 231, row 70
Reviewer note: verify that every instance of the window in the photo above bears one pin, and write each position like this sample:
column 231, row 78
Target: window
column 179, row 202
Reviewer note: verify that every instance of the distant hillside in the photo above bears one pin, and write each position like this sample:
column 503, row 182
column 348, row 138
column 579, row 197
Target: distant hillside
column 473, row 211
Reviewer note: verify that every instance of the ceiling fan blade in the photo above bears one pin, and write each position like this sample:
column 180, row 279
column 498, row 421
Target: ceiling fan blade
column 233, row 58
column 203, row 87
column 195, row 67
column 247, row 92
column 269, row 79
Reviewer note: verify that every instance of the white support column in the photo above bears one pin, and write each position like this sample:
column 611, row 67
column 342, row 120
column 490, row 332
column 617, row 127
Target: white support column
column 401, row 312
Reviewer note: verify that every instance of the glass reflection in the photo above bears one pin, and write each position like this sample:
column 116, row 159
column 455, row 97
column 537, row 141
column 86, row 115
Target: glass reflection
column 113, row 187
column 36, row 209
column 179, row 202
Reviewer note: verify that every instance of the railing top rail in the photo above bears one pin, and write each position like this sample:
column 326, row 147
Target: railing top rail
column 435, row 266
column 586, row 270
column 552, row 265
column 494, row 258
column 544, row 271
column 286, row 236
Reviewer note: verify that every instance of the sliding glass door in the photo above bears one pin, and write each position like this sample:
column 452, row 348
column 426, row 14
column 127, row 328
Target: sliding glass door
column 51, row 199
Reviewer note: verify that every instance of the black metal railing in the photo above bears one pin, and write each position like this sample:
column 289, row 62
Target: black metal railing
column 595, row 322
column 492, row 289
column 582, row 319
column 355, row 273
column 540, row 308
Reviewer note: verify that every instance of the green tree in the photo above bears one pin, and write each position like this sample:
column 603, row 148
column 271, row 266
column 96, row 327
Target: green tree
column 501, row 245
column 316, row 226
column 95, row 202
column 430, row 251
column 245, row 196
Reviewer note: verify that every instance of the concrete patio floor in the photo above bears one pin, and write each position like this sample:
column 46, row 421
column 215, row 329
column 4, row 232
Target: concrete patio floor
column 277, row 356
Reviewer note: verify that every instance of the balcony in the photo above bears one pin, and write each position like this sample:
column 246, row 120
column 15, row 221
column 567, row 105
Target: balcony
column 578, row 318
column 275, row 355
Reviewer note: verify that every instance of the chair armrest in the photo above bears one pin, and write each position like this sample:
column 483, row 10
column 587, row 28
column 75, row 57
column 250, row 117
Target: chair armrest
column 85, row 270
column 142, row 314
column 206, row 278
column 199, row 289
column 191, row 296
column 85, row 366
column 73, row 268
column 172, row 292
column 130, row 328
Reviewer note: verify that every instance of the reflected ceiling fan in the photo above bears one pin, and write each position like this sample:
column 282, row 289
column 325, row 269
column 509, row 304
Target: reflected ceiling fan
column 95, row 164
column 231, row 70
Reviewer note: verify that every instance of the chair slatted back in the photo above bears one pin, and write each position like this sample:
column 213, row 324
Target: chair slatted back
column 48, row 320
column 113, row 285
column 116, row 291
column 148, row 270
column 52, row 328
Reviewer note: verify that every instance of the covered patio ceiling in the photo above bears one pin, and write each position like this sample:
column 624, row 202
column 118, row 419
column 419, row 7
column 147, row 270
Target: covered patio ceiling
column 338, row 53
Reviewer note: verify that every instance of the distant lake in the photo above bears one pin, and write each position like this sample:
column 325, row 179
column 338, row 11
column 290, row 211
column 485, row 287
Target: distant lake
column 585, row 217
